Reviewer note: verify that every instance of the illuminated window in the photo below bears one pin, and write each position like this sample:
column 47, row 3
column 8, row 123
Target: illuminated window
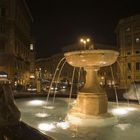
column 31, row 47
column 137, row 40
column 127, row 29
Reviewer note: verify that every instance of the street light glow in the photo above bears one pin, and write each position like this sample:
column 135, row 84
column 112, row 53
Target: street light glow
column 88, row 40
column 81, row 40
column 85, row 41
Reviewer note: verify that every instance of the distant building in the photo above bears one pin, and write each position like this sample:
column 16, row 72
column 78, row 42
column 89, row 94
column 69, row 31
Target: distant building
column 15, row 40
column 79, row 46
column 128, row 41
column 45, row 67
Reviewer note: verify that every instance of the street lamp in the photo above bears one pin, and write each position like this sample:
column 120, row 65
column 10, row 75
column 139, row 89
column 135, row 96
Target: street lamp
column 85, row 41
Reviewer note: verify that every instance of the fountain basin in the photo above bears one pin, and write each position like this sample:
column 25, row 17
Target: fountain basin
column 88, row 58
column 82, row 120
column 56, row 126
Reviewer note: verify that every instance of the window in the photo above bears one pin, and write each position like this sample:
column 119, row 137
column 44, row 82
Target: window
column 137, row 40
column 137, row 65
column 31, row 47
column 128, row 53
column 129, row 77
column 2, row 28
column 2, row 46
column 2, row 12
column 129, row 66
column 128, row 40
column 137, row 52
column 137, row 27
column 127, row 29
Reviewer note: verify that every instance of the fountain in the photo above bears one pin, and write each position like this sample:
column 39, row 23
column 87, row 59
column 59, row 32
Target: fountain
column 92, row 102
column 81, row 121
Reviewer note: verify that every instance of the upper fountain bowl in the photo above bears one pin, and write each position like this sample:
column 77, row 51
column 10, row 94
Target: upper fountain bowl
column 88, row 58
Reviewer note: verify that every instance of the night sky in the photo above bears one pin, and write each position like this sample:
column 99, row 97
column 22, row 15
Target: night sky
column 58, row 23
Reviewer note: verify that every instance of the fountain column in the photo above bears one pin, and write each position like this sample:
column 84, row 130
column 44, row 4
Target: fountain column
column 92, row 81
column 92, row 100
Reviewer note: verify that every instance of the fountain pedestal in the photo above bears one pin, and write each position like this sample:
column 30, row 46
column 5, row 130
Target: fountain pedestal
column 92, row 100
column 92, row 103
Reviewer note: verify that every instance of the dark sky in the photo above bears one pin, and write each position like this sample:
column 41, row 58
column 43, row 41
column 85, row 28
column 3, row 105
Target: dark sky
column 58, row 23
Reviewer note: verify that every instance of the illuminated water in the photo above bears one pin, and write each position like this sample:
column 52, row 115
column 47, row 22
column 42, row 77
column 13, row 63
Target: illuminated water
column 50, row 120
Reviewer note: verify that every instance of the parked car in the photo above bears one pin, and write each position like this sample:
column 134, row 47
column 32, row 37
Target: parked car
column 53, row 87
column 31, row 89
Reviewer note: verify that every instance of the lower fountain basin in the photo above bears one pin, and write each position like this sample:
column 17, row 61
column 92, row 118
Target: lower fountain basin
column 82, row 120
column 51, row 120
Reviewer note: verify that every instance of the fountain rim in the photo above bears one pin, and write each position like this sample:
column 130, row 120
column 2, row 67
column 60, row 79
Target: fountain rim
column 98, row 51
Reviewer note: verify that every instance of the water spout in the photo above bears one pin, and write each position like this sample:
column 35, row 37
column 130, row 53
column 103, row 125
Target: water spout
column 56, row 70
column 58, row 79
column 114, row 86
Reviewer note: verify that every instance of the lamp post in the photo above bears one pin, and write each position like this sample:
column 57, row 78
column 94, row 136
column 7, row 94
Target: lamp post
column 85, row 41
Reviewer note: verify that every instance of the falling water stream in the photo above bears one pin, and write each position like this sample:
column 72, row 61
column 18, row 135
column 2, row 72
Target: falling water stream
column 121, row 72
column 73, row 73
column 79, row 77
column 114, row 86
column 59, row 74
column 133, row 81
column 56, row 70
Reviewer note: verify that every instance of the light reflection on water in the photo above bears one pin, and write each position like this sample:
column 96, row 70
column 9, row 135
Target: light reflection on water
column 51, row 120
column 41, row 115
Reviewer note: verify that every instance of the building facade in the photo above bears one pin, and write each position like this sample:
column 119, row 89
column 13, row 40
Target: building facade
column 46, row 67
column 128, row 41
column 15, row 40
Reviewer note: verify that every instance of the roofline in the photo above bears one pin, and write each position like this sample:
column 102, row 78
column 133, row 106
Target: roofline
column 28, row 10
column 126, row 20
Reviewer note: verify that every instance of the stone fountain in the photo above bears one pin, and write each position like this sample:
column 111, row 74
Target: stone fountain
column 91, row 107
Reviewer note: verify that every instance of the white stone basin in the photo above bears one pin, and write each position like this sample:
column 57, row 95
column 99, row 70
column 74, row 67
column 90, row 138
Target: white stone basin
column 88, row 58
